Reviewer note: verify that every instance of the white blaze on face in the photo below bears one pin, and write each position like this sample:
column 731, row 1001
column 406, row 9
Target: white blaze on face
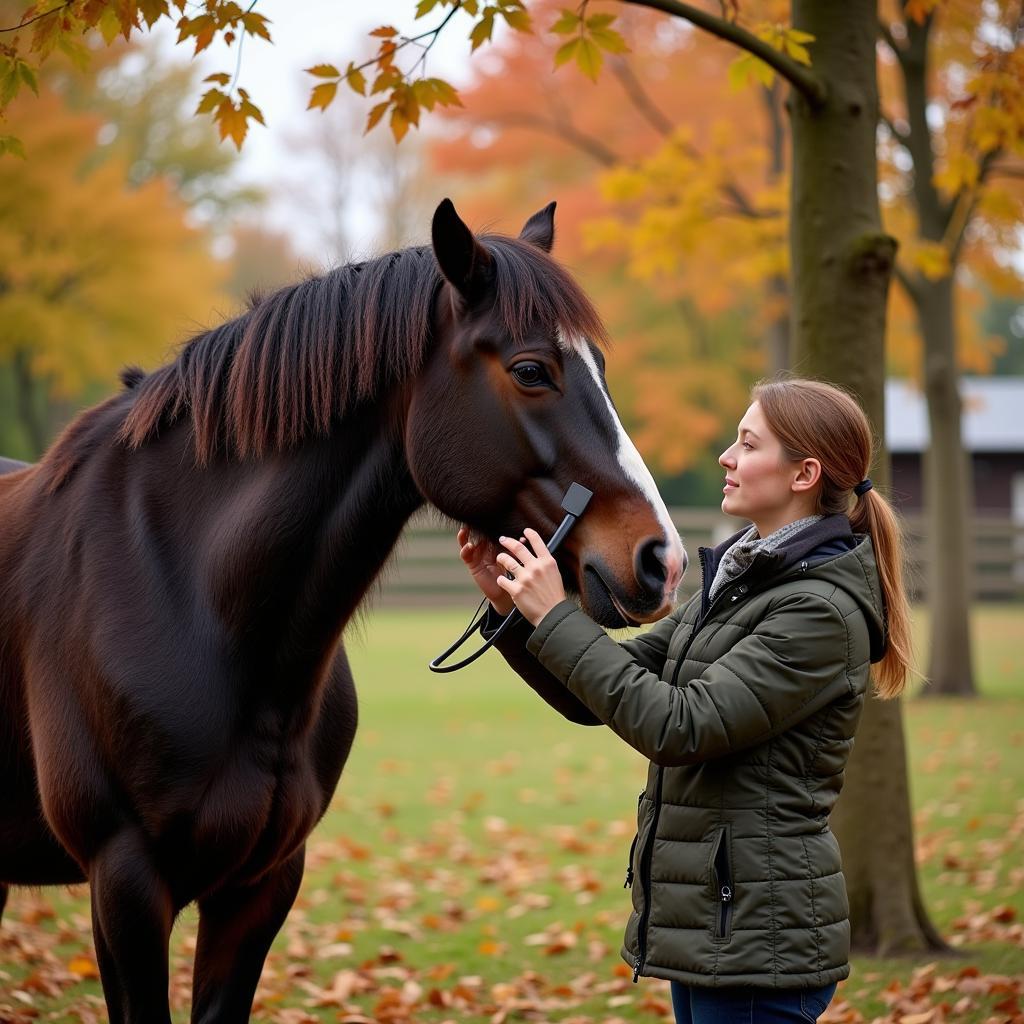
column 630, row 460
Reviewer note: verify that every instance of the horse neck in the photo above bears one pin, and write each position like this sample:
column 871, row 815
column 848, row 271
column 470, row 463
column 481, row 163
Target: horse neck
column 312, row 530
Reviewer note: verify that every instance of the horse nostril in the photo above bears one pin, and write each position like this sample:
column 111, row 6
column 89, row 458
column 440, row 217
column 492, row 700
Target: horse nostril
column 651, row 566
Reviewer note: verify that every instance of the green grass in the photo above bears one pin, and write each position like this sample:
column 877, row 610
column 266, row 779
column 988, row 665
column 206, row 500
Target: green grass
column 471, row 820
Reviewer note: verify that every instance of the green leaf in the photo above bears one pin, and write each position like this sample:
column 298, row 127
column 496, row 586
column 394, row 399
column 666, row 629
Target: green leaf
column 566, row 51
column 28, row 76
column 567, row 23
column 324, row 71
column 322, row 95
column 425, row 7
column 589, row 58
column 11, row 144
column 600, row 20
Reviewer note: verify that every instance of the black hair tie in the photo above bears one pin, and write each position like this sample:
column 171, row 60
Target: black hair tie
column 863, row 487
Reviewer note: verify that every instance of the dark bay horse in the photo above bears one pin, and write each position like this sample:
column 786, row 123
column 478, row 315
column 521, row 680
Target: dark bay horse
column 176, row 573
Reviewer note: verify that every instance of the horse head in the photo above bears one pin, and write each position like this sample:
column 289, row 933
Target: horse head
column 512, row 407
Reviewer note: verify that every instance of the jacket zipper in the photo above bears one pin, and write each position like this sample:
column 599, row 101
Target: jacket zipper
column 628, row 884
column 648, row 851
column 723, row 886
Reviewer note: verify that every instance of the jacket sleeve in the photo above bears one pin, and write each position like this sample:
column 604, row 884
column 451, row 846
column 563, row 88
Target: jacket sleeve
column 793, row 664
column 648, row 650
column 512, row 646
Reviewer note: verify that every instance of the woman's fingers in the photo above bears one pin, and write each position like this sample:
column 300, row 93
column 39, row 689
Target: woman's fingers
column 540, row 549
column 520, row 550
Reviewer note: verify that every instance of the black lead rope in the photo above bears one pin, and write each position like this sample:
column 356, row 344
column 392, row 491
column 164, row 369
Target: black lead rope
column 573, row 504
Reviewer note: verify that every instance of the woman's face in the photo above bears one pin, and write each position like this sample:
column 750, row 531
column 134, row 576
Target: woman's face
column 761, row 484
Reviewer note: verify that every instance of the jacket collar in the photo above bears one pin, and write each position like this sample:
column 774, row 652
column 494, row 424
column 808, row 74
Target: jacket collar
column 828, row 537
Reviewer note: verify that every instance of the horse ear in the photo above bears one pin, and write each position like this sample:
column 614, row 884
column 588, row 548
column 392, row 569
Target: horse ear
column 462, row 259
column 540, row 228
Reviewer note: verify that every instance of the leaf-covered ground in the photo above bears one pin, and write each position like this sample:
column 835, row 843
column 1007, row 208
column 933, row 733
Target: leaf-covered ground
column 471, row 866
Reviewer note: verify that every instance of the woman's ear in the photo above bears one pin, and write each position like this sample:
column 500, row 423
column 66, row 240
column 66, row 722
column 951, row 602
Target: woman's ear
column 808, row 476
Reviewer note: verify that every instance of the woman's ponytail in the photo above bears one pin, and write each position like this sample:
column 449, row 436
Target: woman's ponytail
column 873, row 515
column 817, row 420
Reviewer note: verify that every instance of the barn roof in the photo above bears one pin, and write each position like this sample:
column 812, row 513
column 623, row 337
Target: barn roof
column 993, row 415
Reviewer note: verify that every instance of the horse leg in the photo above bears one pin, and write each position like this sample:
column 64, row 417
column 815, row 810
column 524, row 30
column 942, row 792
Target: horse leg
column 237, row 924
column 132, row 917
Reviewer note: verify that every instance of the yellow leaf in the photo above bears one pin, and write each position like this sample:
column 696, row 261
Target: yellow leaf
column 232, row 122
column 376, row 114
column 932, row 259
column 109, row 25
column 221, row 78
column 322, row 95
column 399, row 124
column 82, row 967
column 518, row 19
column 482, row 30
column 324, row 71
column 566, row 51
column 355, row 79
column 567, row 23
column 589, row 58
column 610, row 40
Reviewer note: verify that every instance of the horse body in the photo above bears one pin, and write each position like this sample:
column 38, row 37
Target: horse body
column 232, row 591
column 176, row 706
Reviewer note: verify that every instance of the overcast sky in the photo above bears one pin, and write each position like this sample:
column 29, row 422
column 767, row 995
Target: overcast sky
column 304, row 34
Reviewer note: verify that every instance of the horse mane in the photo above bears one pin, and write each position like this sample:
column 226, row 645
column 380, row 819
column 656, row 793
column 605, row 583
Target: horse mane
column 298, row 360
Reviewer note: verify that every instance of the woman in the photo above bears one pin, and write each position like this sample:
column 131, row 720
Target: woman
column 745, row 699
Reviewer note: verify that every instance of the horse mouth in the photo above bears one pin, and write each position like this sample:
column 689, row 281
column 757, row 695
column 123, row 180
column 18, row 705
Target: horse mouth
column 607, row 608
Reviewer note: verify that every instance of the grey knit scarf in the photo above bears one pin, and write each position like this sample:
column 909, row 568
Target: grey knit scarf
column 743, row 550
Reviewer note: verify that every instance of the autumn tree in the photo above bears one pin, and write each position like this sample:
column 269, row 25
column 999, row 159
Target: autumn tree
column 94, row 273
column 954, row 143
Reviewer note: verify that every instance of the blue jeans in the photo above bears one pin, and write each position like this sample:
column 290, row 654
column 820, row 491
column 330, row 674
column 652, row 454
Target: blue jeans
column 749, row 1005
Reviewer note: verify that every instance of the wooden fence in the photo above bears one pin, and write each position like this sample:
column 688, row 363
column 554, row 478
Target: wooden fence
column 425, row 570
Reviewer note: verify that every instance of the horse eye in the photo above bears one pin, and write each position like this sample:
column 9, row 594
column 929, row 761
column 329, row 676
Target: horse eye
column 531, row 375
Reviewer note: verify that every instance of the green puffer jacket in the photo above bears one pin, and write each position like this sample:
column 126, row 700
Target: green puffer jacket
column 746, row 708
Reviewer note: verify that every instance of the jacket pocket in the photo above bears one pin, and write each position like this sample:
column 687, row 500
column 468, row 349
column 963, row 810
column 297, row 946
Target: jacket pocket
column 628, row 884
column 722, row 883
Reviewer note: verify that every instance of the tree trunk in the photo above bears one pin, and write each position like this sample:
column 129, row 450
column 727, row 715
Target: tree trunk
column 948, row 485
column 842, row 262
column 948, row 490
column 777, row 335
column 26, row 401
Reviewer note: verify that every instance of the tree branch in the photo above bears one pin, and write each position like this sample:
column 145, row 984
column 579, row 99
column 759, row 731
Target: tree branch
column 559, row 129
column 44, row 14
column 900, row 136
column 802, row 78
column 907, row 282
column 890, row 40
column 639, row 98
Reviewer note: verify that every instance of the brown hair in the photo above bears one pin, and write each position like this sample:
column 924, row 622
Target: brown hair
column 816, row 420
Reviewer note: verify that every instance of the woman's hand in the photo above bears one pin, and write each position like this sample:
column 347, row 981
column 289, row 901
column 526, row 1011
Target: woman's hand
column 480, row 558
column 537, row 584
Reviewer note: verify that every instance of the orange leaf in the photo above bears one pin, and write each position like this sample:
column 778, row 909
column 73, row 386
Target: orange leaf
column 322, row 95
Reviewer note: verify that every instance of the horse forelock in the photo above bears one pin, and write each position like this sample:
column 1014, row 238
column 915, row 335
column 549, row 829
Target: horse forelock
column 299, row 359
